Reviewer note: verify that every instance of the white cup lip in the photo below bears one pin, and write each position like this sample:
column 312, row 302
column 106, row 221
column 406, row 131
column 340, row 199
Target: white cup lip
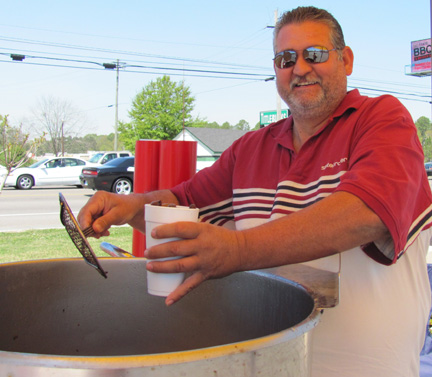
column 164, row 214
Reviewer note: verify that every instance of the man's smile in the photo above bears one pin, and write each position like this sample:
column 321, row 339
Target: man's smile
column 303, row 83
column 306, row 83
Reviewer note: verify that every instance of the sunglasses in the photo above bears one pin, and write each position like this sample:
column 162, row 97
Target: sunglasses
column 312, row 55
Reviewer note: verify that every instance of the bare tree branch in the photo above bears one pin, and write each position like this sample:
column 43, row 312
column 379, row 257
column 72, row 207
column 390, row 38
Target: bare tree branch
column 58, row 119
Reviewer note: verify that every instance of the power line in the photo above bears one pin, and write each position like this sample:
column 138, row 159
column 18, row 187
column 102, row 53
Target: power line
column 396, row 94
column 393, row 92
column 162, row 70
column 123, row 66
column 121, row 52
column 398, row 84
column 171, row 59
column 187, row 72
column 132, row 39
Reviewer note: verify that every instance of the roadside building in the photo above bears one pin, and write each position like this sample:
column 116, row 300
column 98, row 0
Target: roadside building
column 211, row 142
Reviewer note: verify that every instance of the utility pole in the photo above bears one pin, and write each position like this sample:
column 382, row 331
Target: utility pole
column 62, row 138
column 117, row 66
column 116, row 110
column 278, row 99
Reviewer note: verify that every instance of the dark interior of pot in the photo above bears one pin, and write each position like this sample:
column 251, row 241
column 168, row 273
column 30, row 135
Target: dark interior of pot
column 64, row 307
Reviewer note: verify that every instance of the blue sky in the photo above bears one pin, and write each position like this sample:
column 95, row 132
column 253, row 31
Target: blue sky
column 219, row 36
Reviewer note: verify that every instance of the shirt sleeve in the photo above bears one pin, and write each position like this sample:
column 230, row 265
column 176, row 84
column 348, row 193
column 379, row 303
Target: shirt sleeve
column 386, row 171
column 211, row 185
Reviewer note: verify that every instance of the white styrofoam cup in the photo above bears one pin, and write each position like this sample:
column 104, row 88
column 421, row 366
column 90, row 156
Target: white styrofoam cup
column 162, row 284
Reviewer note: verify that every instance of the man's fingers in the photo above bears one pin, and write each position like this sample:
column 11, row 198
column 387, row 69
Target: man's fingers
column 185, row 264
column 182, row 229
column 188, row 285
column 102, row 224
column 92, row 210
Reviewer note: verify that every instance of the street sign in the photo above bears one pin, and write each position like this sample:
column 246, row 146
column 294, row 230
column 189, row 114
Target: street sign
column 267, row 117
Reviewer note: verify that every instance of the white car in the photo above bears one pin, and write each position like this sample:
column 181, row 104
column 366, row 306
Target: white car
column 57, row 171
column 101, row 158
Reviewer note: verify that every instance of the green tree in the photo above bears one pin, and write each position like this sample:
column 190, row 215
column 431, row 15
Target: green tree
column 84, row 144
column 242, row 125
column 226, row 126
column 159, row 111
column 427, row 149
column 106, row 142
column 257, row 126
column 424, row 130
column 15, row 147
column 90, row 141
column 203, row 123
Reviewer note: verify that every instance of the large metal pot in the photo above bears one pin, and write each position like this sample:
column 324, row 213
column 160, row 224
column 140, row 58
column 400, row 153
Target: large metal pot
column 61, row 318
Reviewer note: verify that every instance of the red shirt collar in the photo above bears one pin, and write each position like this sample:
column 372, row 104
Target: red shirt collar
column 282, row 131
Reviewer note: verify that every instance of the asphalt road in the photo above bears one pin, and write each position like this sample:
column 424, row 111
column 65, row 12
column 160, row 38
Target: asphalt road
column 39, row 207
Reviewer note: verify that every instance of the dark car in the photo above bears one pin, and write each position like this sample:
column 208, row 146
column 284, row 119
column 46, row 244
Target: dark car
column 428, row 167
column 115, row 176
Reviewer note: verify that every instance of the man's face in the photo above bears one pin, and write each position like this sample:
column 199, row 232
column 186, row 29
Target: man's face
column 311, row 89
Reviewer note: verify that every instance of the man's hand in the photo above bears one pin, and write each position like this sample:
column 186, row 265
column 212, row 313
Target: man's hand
column 105, row 209
column 207, row 251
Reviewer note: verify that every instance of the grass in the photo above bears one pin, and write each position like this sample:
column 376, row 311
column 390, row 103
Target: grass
column 55, row 243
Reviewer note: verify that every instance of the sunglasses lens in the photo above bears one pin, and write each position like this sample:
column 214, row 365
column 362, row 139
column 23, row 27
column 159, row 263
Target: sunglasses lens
column 285, row 59
column 312, row 55
column 316, row 55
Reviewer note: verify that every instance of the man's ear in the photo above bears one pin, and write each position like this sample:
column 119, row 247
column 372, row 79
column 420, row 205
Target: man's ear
column 348, row 59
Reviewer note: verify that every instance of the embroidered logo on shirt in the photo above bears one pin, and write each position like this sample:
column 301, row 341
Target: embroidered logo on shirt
column 334, row 164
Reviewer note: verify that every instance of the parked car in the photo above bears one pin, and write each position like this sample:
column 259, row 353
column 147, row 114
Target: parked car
column 101, row 158
column 56, row 171
column 115, row 176
column 428, row 167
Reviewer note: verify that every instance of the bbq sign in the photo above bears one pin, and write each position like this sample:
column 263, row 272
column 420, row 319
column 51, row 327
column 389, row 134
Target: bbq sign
column 421, row 56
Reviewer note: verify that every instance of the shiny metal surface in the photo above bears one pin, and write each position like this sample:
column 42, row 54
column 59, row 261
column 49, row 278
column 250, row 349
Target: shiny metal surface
column 59, row 318
column 115, row 251
column 322, row 285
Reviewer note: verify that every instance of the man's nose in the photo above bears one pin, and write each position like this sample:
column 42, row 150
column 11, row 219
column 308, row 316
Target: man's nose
column 301, row 67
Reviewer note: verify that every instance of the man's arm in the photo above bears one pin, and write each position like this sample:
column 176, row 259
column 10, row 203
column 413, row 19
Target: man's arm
column 334, row 224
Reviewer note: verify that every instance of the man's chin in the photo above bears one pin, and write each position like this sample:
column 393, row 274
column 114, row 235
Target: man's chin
column 299, row 107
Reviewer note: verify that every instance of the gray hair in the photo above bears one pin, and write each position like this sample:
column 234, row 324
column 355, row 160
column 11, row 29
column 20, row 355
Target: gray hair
column 303, row 14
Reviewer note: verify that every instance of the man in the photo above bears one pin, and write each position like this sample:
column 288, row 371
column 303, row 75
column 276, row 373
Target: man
column 344, row 174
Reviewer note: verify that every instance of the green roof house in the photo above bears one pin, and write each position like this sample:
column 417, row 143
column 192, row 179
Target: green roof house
column 211, row 142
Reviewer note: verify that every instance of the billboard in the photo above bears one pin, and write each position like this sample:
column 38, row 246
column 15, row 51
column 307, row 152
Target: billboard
column 421, row 56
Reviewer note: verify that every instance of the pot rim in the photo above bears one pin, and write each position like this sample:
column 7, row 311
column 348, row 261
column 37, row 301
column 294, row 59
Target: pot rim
column 134, row 361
